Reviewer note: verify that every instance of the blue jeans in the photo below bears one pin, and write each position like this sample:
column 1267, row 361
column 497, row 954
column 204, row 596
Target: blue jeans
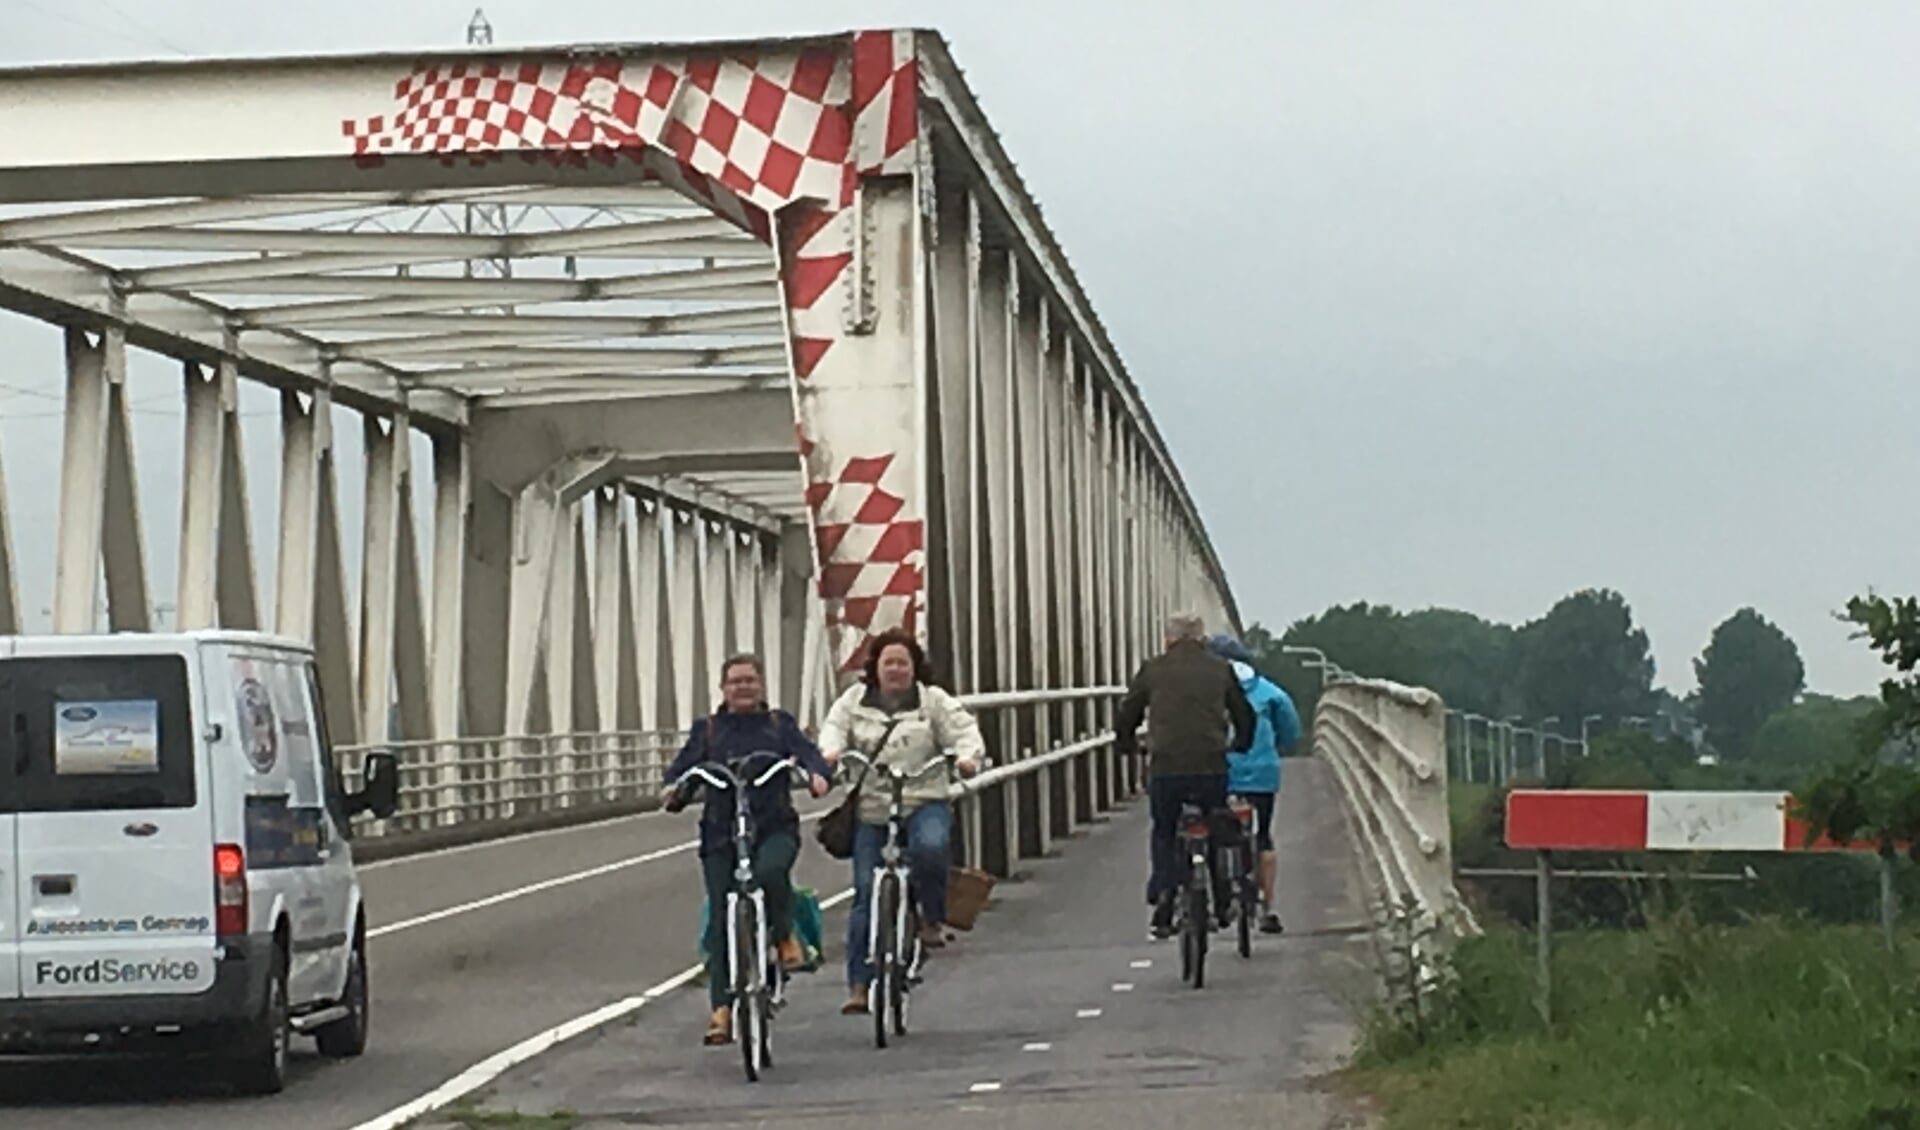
column 929, row 829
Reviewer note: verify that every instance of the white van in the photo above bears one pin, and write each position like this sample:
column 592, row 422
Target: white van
column 175, row 860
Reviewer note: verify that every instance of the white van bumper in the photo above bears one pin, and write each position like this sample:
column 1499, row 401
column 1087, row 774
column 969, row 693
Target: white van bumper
column 239, row 987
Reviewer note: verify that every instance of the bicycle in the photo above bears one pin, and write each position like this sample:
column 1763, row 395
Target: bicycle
column 1240, row 861
column 759, row 988
column 893, row 929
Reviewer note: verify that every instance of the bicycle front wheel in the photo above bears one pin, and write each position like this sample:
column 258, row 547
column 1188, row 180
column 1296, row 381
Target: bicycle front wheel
column 886, row 948
column 749, row 1004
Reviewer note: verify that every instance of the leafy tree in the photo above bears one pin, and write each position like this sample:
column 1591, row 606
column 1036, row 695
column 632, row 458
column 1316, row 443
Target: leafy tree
column 1749, row 671
column 1871, row 796
column 1469, row 661
column 1815, row 731
column 1586, row 656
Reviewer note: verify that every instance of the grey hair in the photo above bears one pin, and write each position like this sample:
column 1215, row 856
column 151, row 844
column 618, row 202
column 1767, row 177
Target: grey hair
column 1183, row 626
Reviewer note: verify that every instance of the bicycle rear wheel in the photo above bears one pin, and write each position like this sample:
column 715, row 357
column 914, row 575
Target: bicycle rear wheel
column 1249, row 902
column 1197, row 925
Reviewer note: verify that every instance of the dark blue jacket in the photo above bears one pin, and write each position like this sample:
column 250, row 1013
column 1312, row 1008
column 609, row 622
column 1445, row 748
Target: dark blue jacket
column 727, row 737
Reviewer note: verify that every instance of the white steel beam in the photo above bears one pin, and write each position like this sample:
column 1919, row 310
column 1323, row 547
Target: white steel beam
column 383, row 442
column 74, row 292
column 238, row 595
column 332, row 625
column 202, row 495
column 452, row 466
column 83, row 223
column 405, row 327
column 412, row 671
column 740, row 283
column 689, row 616
column 250, row 269
column 83, row 487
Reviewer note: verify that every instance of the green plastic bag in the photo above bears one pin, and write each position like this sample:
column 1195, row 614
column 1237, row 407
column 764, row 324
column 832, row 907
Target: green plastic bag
column 808, row 925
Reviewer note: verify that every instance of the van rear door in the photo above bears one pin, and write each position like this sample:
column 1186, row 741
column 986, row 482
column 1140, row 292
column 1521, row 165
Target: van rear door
column 9, row 848
column 113, row 885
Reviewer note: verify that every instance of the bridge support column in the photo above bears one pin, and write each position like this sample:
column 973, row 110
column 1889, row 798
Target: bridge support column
column 861, row 400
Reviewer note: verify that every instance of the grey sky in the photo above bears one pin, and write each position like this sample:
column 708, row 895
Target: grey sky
column 1469, row 304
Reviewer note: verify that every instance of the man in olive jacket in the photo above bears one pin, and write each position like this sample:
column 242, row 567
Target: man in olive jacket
column 1195, row 713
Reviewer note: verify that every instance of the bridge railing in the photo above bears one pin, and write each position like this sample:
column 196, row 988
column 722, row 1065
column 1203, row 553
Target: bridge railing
column 1053, row 770
column 1387, row 746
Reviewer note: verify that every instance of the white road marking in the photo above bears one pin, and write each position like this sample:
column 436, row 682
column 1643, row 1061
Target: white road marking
column 504, row 841
column 1040, row 1047
column 983, row 1088
column 523, row 837
column 531, row 889
column 494, row 1066
column 1123, row 986
column 1143, row 963
column 543, row 885
column 1087, row 1013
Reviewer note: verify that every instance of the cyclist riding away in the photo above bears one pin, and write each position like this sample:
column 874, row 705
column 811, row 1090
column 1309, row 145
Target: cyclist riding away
column 1255, row 774
column 899, row 719
column 1195, row 713
column 744, row 724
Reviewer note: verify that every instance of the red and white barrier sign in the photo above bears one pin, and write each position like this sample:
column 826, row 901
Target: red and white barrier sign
column 1605, row 820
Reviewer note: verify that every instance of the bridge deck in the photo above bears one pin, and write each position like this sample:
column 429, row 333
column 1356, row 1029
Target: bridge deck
column 1256, row 1042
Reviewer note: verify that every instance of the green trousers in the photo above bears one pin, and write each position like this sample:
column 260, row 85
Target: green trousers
column 773, row 868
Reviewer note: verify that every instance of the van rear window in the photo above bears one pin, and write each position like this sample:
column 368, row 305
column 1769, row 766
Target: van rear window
column 95, row 733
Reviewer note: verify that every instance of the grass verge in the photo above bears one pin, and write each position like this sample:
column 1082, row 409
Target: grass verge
column 1767, row 1024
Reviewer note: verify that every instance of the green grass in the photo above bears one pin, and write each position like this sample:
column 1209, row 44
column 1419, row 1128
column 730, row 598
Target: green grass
column 1761, row 1026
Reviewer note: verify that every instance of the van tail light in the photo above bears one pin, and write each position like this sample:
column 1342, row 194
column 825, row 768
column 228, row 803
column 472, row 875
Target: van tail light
column 229, row 890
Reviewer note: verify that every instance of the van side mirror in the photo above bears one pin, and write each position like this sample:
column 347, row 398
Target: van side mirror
column 379, row 787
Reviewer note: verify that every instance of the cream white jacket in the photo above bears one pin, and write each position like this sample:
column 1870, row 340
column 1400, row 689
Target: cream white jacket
column 931, row 723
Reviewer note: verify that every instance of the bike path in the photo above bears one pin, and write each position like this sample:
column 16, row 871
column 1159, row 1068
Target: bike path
column 1056, row 1011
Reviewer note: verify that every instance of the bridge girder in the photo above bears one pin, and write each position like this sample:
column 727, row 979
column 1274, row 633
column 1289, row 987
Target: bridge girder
column 733, row 257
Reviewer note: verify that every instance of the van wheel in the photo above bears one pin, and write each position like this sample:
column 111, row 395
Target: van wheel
column 347, row 1036
column 260, row 1063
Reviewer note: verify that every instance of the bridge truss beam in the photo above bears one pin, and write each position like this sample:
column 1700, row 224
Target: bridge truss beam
column 568, row 513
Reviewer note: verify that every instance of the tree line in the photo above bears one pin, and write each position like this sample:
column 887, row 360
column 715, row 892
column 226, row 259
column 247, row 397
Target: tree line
column 1584, row 658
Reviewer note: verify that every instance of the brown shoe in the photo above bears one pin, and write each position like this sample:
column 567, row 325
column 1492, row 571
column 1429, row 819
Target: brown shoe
column 933, row 935
column 720, row 1026
column 791, row 959
column 856, row 1001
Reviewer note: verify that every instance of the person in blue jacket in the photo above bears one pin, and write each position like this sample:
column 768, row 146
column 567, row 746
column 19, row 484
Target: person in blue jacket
column 1255, row 774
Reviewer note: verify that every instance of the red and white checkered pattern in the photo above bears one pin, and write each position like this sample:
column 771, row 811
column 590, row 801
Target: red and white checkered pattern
column 1610, row 820
column 870, row 547
column 886, row 102
column 753, row 137
column 770, row 130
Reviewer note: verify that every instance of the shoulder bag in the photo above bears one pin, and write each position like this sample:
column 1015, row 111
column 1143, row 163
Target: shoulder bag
column 835, row 832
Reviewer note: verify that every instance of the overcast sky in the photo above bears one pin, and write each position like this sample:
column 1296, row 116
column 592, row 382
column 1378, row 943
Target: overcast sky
column 1468, row 304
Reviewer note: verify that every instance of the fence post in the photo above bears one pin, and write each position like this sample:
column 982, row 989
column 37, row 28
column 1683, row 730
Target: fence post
column 1889, row 900
column 1543, row 932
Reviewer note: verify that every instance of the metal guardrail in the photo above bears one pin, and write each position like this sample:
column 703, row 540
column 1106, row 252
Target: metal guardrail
column 1053, row 768
column 1387, row 746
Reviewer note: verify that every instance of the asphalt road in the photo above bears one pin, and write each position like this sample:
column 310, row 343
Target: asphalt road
column 1056, row 1013
column 448, row 992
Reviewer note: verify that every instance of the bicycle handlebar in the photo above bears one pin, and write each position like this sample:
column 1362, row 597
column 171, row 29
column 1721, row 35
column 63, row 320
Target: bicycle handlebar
column 887, row 772
column 728, row 779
